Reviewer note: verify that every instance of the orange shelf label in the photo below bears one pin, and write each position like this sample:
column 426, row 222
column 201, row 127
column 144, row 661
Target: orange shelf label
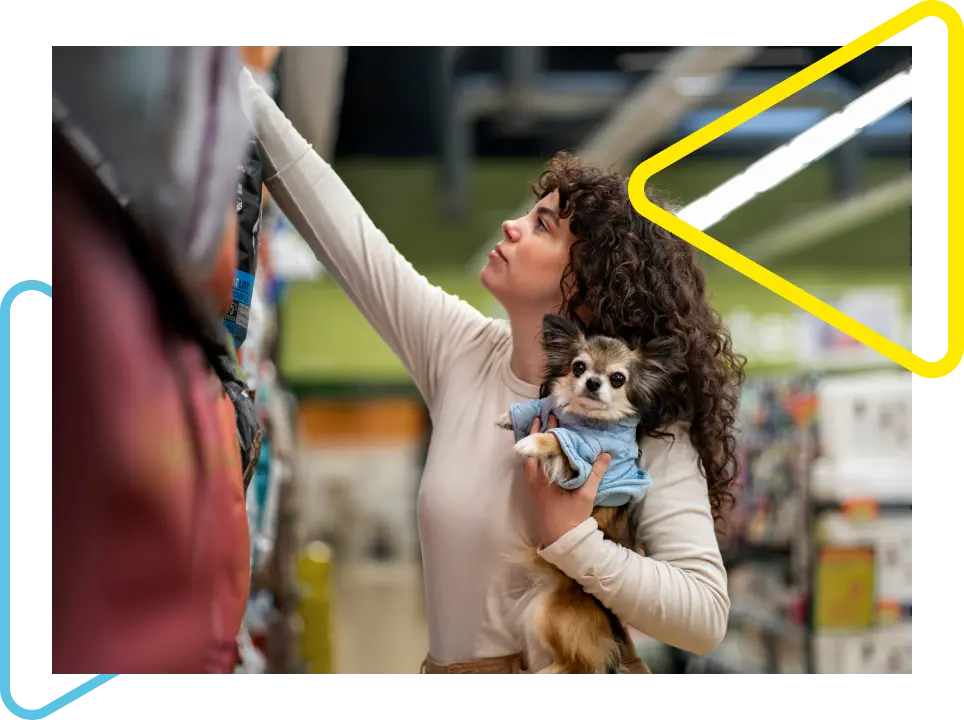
column 860, row 509
column 888, row 612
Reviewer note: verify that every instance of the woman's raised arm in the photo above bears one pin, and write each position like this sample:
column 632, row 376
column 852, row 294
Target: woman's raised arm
column 422, row 324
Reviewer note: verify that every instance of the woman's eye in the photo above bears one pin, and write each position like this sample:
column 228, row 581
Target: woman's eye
column 617, row 380
column 578, row 368
column 540, row 224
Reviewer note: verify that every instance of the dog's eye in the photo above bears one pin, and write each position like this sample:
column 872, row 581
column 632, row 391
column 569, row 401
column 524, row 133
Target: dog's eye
column 578, row 368
column 617, row 380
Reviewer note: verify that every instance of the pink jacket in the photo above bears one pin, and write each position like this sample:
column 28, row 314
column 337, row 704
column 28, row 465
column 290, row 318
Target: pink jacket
column 150, row 534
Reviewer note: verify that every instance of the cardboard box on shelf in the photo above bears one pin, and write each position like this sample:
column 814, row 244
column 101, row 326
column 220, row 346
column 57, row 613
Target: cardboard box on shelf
column 879, row 651
column 844, row 590
column 894, row 568
column 890, row 536
column 359, row 463
column 895, row 649
column 882, row 479
column 866, row 416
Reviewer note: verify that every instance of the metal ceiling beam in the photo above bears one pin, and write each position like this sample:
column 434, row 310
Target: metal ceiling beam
column 313, row 79
column 818, row 226
column 684, row 80
column 524, row 66
column 766, row 58
column 484, row 96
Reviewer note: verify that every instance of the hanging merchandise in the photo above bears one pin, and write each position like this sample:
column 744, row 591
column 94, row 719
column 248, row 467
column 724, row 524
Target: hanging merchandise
column 262, row 505
column 250, row 433
column 249, row 194
column 255, row 498
column 251, row 659
column 262, row 496
column 250, row 354
column 269, row 637
column 237, row 382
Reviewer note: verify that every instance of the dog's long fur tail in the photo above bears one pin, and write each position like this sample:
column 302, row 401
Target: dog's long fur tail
column 565, row 628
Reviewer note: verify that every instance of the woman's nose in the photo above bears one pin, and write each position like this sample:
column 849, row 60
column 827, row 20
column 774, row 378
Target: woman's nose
column 511, row 230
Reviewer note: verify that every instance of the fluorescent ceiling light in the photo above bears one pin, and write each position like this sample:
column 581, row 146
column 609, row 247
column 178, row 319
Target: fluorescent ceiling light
column 807, row 147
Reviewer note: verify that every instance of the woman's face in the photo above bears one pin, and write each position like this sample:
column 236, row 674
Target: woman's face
column 525, row 268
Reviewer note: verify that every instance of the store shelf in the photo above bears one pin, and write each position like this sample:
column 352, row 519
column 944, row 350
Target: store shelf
column 767, row 623
column 845, row 506
column 756, row 553
column 859, row 519
column 809, row 485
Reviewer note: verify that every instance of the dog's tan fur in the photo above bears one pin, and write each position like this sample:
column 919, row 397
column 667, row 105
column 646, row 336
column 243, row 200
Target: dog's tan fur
column 545, row 444
column 571, row 632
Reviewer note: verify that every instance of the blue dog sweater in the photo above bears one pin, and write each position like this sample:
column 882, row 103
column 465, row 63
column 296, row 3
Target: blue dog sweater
column 583, row 440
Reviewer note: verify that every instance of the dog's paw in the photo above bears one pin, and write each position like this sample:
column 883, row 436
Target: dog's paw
column 505, row 422
column 538, row 445
column 528, row 447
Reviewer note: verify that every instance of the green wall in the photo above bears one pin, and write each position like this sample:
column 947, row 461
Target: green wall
column 333, row 344
column 402, row 197
column 326, row 341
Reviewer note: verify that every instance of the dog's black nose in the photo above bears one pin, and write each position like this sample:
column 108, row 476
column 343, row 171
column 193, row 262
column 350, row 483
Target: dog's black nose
column 593, row 384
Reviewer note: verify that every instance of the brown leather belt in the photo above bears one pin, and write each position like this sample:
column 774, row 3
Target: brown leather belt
column 515, row 664
column 505, row 665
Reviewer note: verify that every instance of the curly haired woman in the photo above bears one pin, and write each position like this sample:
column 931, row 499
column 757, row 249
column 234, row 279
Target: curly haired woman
column 584, row 251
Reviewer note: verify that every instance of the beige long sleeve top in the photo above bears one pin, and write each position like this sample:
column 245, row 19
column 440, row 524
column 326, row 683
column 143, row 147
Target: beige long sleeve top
column 473, row 505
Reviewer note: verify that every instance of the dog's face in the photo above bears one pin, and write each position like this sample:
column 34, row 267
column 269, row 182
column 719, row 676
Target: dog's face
column 602, row 378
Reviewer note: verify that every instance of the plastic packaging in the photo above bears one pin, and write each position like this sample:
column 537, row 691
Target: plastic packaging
column 250, row 181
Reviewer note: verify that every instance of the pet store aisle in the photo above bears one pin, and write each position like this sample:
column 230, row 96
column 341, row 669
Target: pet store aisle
column 379, row 621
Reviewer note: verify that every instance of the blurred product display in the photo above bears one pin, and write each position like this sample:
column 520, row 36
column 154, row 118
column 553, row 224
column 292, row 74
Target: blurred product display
column 314, row 577
column 270, row 636
column 360, row 461
column 861, row 524
column 764, row 537
column 819, row 545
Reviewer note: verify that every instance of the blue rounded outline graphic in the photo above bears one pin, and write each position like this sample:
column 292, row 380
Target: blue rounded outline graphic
column 80, row 690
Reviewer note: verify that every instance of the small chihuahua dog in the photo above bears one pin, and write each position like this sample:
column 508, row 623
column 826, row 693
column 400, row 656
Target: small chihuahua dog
column 598, row 389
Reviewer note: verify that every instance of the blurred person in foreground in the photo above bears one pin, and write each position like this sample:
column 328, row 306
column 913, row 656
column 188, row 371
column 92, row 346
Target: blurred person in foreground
column 585, row 252
column 150, row 534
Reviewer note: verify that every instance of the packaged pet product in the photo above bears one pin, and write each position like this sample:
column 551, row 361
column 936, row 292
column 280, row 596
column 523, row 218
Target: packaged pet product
column 248, row 205
column 884, row 650
column 250, row 432
column 866, row 416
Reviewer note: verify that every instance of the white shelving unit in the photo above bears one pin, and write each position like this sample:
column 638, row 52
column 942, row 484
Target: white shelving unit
column 860, row 526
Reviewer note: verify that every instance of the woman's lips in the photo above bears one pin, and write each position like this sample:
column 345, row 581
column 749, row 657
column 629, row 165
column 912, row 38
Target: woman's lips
column 497, row 252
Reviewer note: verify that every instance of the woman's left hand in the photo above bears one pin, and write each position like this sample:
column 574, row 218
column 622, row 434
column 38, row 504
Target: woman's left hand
column 559, row 510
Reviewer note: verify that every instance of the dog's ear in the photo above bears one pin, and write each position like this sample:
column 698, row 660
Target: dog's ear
column 559, row 337
column 662, row 355
column 657, row 363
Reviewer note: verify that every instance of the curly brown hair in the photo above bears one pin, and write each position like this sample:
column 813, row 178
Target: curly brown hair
column 629, row 278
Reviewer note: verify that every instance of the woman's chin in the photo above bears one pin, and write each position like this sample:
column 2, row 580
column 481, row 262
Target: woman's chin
column 491, row 281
